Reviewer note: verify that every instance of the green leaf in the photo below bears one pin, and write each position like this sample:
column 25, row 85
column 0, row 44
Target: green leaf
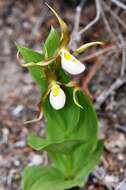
column 57, row 146
column 72, row 122
column 52, row 42
column 37, row 72
column 32, row 175
column 29, row 55
column 50, row 178
column 90, row 161
column 61, row 121
column 45, row 178
column 87, row 129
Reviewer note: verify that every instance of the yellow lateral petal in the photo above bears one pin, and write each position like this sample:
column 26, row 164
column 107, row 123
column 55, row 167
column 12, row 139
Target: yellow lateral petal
column 86, row 46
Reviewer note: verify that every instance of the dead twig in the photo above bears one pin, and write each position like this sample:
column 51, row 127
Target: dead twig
column 117, row 18
column 119, row 4
column 121, row 39
column 107, row 92
column 76, row 35
column 123, row 67
column 121, row 79
column 98, row 11
column 89, row 76
column 75, row 38
column 107, row 25
column 86, row 79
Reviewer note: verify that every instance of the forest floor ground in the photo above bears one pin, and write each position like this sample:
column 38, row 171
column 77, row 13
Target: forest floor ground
column 28, row 22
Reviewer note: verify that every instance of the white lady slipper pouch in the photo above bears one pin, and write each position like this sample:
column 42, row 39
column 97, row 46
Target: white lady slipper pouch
column 70, row 64
column 57, row 97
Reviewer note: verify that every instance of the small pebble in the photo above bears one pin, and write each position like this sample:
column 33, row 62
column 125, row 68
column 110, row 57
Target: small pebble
column 17, row 110
column 121, row 157
column 20, row 144
column 36, row 160
column 110, row 179
column 5, row 135
column 16, row 163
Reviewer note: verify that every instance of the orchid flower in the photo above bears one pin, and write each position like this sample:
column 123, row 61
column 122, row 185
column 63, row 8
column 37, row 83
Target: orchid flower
column 69, row 63
column 57, row 96
column 57, row 99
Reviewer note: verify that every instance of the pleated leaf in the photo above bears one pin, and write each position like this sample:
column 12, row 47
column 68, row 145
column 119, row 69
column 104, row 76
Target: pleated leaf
column 36, row 71
column 58, row 146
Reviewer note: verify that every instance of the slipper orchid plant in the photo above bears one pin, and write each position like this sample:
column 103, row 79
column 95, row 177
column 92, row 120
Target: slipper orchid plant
column 72, row 132
column 68, row 62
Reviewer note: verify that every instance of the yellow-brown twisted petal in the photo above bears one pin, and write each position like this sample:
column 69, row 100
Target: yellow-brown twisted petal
column 75, row 98
column 65, row 36
column 40, row 106
column 76, row 87
column 31, row 64
column 86, row 46
column 36, row 119
column 71, row 84
column 19, row 60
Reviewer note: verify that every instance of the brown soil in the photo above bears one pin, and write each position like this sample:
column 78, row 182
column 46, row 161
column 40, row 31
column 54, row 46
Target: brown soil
column 29, row 22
